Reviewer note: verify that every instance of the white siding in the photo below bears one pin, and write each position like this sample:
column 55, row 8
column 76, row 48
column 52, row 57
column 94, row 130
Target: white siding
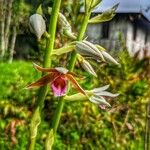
column 127, row 28
column 116, row 27
column 94, row 32
column 129, row 38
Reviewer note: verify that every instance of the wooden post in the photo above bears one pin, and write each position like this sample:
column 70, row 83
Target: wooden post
column 147, row 130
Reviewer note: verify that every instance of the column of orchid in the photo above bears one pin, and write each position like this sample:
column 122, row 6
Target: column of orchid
column 58, row 77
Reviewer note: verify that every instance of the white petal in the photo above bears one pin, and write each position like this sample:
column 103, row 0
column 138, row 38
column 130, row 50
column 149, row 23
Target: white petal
column 61, row 70
column 105, row 93
column 100, row 89
column 99, row 100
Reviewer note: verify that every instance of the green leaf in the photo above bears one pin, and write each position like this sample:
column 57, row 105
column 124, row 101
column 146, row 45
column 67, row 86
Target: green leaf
column 87, row 5
column 49, row 140
column 95, row 3
column 49, row 10
column 105, row 16
column 39, row 10
column 65, row 49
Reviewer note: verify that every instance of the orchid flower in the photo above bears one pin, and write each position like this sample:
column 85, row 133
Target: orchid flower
column 98, row 96
column 57, row 79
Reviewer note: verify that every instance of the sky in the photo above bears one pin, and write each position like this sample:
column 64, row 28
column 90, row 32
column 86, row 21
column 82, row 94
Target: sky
column 127, row 6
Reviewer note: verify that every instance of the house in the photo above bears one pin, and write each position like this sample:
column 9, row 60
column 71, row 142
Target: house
column 132, row 19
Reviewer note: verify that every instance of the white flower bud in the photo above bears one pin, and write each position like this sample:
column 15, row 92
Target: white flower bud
column 86, row 48
column 37, row 25
column 87, row 67
column 109, row 57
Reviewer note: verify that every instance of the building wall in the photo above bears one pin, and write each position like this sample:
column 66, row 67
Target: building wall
column 94, row 32
column 148, row 39
column 134, row 44
column 134, row 36
column 129, row 37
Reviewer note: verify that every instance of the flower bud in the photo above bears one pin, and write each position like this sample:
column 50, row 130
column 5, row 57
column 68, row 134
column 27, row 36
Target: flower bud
column 65, row 26
column 109, row 58
column 63, row 22
column 37, row 25
column 49, row 140
column 35, row 123
column 87, row 67
column 86, row 48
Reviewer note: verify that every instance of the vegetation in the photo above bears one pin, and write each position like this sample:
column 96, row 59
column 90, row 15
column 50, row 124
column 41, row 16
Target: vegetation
column 83, row 125
column 31, row 118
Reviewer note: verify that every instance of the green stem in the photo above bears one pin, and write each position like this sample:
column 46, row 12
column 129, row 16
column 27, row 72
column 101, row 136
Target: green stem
column 57, row 115
column 79, row 38
column 47, row 59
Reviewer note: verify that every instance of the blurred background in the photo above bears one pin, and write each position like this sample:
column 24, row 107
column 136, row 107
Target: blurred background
column 83, row 126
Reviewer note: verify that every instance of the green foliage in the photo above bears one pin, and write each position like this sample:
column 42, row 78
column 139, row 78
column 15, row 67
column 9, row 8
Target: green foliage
column 105, row 16
column 13, row 79
column 83, row 125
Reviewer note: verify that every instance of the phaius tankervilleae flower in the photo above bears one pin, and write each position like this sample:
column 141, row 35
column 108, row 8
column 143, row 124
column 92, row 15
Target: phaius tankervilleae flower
column 98, row 96
column 57, row 78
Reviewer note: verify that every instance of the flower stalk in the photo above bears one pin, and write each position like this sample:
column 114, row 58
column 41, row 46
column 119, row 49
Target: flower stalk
column 47, row 63
column 57, row 77
column 57, row 115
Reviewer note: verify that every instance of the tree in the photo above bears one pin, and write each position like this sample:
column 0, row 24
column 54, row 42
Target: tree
column 12, row 13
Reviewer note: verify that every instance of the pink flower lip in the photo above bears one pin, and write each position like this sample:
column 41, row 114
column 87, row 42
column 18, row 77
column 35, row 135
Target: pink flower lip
column 59, row 86
column 102, row 106
column 57, row 78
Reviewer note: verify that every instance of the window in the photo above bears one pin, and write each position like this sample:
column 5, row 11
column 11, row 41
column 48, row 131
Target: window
column 134, row 31
column 146, row 36
column 105, row 30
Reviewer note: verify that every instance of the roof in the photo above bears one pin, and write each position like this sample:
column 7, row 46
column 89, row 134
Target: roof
column 126, row 6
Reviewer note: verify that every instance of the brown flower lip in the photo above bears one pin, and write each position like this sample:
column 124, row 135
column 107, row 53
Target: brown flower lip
column 52, row 75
